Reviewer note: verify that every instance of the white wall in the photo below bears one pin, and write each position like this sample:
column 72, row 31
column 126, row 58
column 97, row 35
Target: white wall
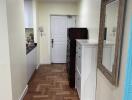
column 5, row 74
column 35, row 26
column 89, row 16
column 28, row 13
column 34, row 2
column 45, row 9
column 30, row 16
column 13, row 69
column 17, row 45
column 105, row 91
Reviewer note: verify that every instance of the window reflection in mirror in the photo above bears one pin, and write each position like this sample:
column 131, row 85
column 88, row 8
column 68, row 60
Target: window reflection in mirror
column 111, row 19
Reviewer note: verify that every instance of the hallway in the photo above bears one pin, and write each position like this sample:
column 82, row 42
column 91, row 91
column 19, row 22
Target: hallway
column 50, row 83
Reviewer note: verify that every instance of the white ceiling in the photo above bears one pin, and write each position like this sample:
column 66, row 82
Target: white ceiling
column 60, row 0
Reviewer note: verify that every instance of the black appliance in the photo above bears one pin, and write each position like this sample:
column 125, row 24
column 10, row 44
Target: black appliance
column 73, row 34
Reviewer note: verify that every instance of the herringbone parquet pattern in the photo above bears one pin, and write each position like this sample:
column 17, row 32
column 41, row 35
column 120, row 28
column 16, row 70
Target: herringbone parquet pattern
column 50, row 83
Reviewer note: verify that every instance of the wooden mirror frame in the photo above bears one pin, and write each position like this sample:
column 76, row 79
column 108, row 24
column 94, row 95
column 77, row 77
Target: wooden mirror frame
column 113, row 76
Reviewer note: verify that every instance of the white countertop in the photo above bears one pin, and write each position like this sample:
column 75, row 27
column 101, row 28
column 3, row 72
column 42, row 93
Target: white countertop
column 91, row 42
column 109, row 43
column 85, row 42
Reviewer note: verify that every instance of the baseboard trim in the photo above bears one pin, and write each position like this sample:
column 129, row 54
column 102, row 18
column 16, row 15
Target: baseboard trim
column 24, row 93
column 37, row 66
column 46, row 63
column 34, row 73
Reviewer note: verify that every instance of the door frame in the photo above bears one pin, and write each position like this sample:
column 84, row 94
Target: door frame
column 51, row 32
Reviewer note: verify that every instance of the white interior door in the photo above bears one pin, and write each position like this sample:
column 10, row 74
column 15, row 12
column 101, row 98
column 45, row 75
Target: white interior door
column 59, row 25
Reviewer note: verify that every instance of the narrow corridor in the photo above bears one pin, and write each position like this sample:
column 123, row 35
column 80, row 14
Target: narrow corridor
column 50, row 83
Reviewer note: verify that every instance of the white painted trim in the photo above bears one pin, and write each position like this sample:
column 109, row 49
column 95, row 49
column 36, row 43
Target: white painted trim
column 45, row 63
column 24, row 93
column 37, row 66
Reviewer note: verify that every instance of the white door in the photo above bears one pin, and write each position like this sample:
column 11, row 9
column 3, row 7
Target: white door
column 59, row 25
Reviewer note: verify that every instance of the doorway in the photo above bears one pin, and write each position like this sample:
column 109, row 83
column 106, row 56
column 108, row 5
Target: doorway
column 59, row 26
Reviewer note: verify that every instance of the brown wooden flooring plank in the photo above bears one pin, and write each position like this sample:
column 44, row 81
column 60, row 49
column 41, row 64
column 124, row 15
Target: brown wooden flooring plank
column 50, row 82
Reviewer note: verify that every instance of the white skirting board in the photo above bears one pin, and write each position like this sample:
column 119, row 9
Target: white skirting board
column 37, row 66
column 24, row 93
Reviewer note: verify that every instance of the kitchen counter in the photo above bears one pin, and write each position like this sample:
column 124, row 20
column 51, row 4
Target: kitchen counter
column 109, row 43
column 85, row 42
column 30, row 48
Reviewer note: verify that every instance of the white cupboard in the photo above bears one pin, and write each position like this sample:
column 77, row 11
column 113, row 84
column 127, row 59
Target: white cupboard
column 86, row 65
column 31, row 62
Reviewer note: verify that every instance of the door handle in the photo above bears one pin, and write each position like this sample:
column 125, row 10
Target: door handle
column 52, row 41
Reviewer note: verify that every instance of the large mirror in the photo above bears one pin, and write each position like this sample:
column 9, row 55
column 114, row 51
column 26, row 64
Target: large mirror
column 111, row 32
column 111, row 18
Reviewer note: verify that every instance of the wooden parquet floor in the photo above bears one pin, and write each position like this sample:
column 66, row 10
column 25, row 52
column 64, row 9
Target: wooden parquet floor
column 50, row 83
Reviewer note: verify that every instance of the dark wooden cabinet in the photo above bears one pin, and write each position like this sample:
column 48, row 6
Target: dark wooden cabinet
column 73, row 34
